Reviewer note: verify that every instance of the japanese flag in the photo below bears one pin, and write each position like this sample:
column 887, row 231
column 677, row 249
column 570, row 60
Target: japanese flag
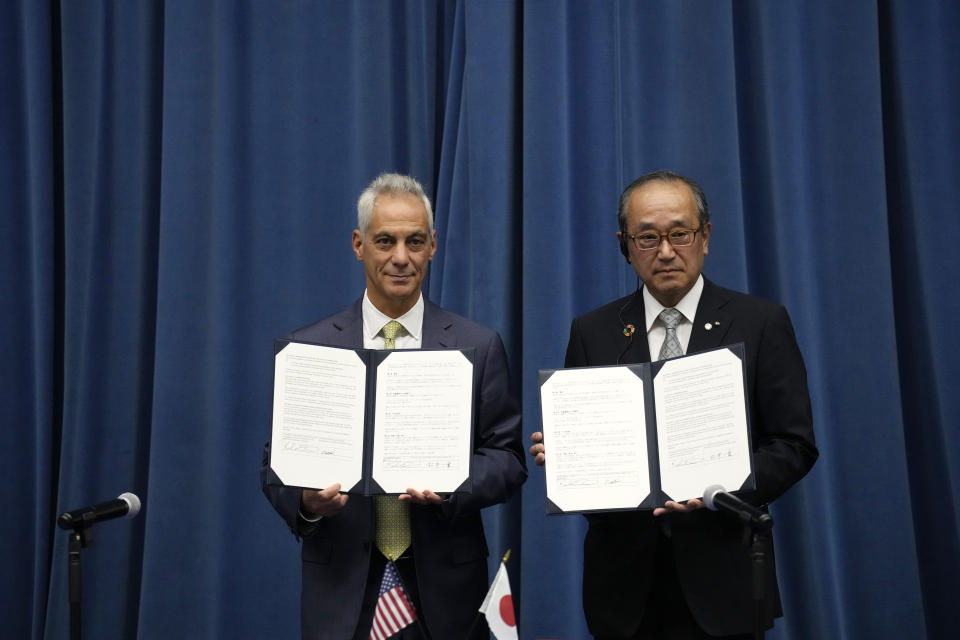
column 498, row 607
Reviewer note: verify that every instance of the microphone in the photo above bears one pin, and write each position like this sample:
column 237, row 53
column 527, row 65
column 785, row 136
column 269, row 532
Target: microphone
column 716, row 498
column 125, row 505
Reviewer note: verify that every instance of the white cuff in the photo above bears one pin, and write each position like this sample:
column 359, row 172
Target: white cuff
column 309, row 519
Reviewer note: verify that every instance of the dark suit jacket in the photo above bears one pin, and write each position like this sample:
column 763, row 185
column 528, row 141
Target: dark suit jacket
column 712, row 563
column 448, row 543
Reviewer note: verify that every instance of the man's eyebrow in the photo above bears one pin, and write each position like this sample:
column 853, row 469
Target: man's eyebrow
column 673, row 224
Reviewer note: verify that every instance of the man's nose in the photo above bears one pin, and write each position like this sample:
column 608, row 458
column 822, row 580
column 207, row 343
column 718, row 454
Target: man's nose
column 400, row 254
column 665, row 250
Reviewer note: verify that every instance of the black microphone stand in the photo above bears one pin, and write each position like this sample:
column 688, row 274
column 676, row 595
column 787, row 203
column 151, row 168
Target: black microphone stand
column 78, row 538
column 756, row 535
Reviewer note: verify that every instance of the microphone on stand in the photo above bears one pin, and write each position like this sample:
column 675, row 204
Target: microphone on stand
column 126, row 505
column 716, row 498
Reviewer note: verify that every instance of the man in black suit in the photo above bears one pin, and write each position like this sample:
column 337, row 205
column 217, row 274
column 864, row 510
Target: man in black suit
column 444, row 567
column 682, row 571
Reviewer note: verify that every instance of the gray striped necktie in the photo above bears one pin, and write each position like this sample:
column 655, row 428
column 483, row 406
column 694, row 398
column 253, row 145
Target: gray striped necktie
column 671, row 346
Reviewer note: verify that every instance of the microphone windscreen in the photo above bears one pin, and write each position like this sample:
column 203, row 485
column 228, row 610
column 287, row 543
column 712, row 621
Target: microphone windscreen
column 710, row 493
column 133, row 502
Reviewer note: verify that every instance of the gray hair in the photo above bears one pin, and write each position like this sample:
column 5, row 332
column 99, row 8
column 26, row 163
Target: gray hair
column 389, row 184
column 703, row 210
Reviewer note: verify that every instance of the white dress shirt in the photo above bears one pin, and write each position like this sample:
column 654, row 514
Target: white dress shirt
column 687, row 307
column 374, row 319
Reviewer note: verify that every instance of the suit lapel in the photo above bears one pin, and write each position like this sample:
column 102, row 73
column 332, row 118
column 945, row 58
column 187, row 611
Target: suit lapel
column 438, row 327
column 712, row 323
column 349, row 324
column 639, row 347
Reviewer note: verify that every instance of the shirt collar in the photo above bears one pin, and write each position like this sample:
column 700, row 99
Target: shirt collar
column 374, row 319
column 687, row 305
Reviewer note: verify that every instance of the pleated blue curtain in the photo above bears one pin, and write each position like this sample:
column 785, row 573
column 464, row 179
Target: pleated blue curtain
column 178, row 183
column 921, row 98
column 478, row 204
column 30, row 347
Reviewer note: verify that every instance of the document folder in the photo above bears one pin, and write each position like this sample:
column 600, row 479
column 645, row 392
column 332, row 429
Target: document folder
column 376, row 421
column 633, row 436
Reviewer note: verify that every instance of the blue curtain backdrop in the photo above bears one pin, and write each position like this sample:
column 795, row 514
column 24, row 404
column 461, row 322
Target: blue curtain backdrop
column 178, row 182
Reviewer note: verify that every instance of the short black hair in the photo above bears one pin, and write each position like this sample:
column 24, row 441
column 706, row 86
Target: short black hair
column 662, row 175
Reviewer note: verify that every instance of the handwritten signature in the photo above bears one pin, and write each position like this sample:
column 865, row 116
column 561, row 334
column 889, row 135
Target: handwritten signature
column 303, row 447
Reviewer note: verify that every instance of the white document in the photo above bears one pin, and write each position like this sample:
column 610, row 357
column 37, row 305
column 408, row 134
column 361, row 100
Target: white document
column 593, row 428
column 701, row 424
column 423, row 416
column 318, row 416
column 622, row 437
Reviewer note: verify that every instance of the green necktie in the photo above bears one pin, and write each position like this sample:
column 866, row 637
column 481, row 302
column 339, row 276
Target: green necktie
column 393, row 516
column 390, row 332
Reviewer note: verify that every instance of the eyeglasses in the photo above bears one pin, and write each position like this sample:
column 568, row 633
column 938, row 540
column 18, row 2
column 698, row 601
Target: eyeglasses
column 649, row 240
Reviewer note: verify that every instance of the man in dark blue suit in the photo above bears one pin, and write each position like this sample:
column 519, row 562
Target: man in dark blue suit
column 444, row 568
column 680, row 571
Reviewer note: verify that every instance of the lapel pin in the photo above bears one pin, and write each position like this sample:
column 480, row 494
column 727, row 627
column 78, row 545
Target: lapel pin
column 628, row 330
column 708, row 326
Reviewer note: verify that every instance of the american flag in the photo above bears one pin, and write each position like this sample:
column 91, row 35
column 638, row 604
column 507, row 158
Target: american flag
column 394, row 611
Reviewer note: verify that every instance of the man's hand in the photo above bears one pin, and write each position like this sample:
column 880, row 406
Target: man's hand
column 426, row 498
column 679, row 507
column 537, row 450
column 322, row 503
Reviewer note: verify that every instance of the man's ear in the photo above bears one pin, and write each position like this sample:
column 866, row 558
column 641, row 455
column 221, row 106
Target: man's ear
column 623, row 246
column 358, row 244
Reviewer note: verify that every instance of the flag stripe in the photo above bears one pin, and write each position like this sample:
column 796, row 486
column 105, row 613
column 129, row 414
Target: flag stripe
column 389, row 617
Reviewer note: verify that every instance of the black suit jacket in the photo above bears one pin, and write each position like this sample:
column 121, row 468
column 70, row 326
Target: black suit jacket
column 448, row 543
column 713, row 565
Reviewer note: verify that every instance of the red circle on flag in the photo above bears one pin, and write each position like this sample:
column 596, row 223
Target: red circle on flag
column 506, row 610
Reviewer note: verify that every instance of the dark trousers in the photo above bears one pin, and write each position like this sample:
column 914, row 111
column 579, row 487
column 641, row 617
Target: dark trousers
column 666, row 615
column 408, row 575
